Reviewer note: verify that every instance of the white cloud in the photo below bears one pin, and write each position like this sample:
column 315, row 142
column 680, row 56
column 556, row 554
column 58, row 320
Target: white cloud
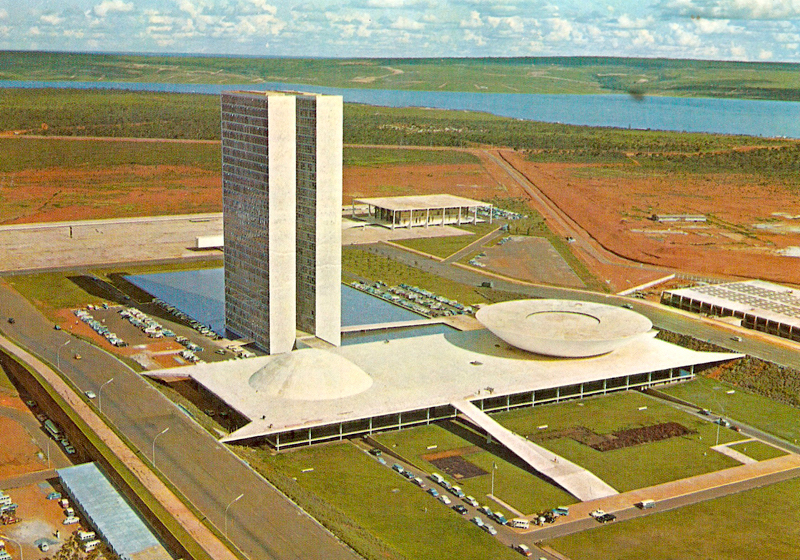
column 74, row 33
column 473, row 22
column 189, row 7
column 683, row 37
column 407, row 24
column 707, row 26
column 3, row 14
column 109, row 6
column 34, row 31
column 388, row 3
column 51, row 19
column 643, row 37
column 736, row 9
column 472, row 37
column 262, row 6
column 562, row 30
column 738, row 52
column 262, row 24
column 626, row 22
column 513, row 22
column 764, row 54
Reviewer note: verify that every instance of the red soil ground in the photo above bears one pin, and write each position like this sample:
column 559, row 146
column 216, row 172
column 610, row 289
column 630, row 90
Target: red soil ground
column 614, row 210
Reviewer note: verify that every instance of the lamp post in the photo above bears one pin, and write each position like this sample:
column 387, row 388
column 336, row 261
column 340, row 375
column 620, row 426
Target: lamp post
column 233, row 501
column 164, row 431
column 100, row 395
column 16, row 542
column 58, row 354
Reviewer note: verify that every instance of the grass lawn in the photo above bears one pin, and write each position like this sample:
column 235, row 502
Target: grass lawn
column 445, row 246
column 644, row 465
column 760, row 523
column 403, row 516
column 378, row 157
column 359, row 264
column 757, row 450
column 514, row 484
column 760, row 412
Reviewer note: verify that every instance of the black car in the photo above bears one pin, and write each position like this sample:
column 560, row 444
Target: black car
column 460, row 509
column 11, row 320
column 607, row 518
column 375, row 451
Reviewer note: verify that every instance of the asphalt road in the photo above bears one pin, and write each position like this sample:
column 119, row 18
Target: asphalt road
column 264, row 524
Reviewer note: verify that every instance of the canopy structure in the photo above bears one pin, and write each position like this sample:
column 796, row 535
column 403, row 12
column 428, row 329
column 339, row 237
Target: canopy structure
column 422, row 210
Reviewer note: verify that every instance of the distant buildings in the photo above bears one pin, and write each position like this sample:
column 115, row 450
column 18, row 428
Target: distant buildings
column 669, row 218
column 282, row 199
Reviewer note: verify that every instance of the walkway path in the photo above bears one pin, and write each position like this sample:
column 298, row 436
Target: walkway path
column 574, row 479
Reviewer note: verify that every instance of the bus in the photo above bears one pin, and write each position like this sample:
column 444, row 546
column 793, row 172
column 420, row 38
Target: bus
column 51, row 427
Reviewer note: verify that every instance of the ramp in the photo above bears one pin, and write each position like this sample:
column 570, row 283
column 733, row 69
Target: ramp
column 574, row 479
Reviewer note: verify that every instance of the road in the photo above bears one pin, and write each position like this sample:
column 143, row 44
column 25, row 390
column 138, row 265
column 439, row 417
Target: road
column 264, row 524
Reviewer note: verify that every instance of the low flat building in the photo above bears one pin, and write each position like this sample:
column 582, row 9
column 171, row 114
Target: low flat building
column 762, row 306
column 668, row 218
column 310, row 396
column 108, row 512
column 422, row 210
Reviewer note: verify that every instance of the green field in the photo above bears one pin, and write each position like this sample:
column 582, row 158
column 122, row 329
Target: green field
column 778, row 419
column 379, row 157
column 443, row 247
column 579, row 75
column 514, row 483
column 410, row 523
column 644, row 465
column 757, row 450
column 358, row 264
column 760, row 523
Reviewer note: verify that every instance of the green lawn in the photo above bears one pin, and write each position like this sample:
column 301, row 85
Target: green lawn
column 760, row 412
column 632, row 467
column 379, row 157
column 360, row 264
column 445, row 246
column 757, row 450
column 760, row 523
column 403, row 516
column 514, row 484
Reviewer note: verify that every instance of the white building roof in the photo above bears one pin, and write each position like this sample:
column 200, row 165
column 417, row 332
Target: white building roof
column 755, row 297
column 415, row 373
column 421, row 202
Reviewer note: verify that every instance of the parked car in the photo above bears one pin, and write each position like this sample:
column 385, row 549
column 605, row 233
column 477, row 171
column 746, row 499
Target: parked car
column 398, row 467
column 433, row 492
column 444, row 499
column 460, row 509
column 477, row 521
column 375, row 451
column 522, row 549
column 471, row 501
column 489, row 529
column 90, row 394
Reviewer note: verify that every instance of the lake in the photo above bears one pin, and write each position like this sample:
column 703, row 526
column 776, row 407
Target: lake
column 720, row 116
column 201, row 295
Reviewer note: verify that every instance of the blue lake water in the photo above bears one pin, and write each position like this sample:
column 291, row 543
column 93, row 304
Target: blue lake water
column 722, row 116
column 201, row 295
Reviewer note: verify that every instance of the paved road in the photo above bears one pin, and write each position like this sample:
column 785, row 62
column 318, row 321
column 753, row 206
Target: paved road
column 263, row 523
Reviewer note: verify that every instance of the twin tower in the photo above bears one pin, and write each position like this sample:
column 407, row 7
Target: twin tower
column 282, row 213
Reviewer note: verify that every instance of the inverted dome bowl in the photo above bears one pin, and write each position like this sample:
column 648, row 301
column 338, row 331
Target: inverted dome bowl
column 563, row 328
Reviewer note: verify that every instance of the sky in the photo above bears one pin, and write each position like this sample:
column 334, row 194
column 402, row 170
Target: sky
column 753, row 30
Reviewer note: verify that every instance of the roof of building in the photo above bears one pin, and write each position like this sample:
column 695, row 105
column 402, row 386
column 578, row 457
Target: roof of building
column 563, row 328
column 117, row 522
column 426, row 371
column 754, row 297
column 421, row 202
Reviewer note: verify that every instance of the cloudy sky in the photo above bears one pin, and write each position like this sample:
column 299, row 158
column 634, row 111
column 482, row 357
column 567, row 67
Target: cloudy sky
column 708, row 29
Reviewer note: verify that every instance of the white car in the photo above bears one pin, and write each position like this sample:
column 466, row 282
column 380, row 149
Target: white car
column 471, row 501
column 445, row 500
column 71, row 520
column 489, row 529
column 90, row 394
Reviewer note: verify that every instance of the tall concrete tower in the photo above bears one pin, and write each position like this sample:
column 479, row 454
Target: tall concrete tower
column 282, row 200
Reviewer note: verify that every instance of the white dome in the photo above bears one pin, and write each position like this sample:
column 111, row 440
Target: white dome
column 310, row 375
column 563, row 328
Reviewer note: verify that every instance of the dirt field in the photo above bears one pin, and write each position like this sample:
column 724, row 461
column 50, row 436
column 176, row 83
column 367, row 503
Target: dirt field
column 617, row 440
column 532, row 259
column 452, row 463
column 615, row 210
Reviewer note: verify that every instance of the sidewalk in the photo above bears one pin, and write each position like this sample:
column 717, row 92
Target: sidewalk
column 199, row 532
column 580, row 511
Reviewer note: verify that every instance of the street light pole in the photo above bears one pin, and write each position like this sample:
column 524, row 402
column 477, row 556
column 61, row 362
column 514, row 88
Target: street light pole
column 164, row 431
column 100, row 395
column 16, row 542
column 236, row 499
column 58, row 354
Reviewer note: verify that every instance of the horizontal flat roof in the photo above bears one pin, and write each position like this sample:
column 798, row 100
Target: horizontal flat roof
column 421, row 202
column 114, row 519
column 754, row 297
column 427, row 371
